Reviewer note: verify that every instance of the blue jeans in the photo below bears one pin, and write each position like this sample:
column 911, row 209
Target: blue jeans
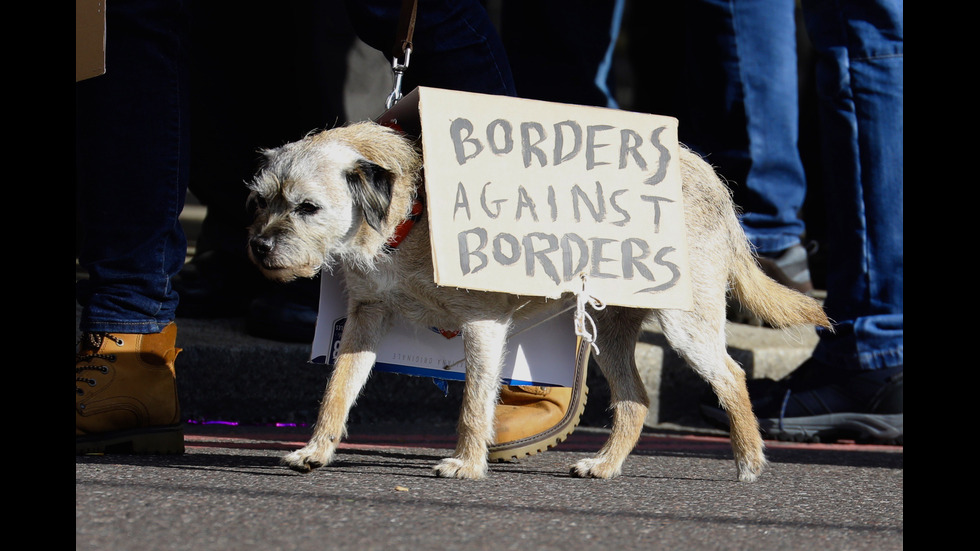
column 131, row 170
column 741, row 70
column 745, row 118
column 860, row 76
column 562, row 50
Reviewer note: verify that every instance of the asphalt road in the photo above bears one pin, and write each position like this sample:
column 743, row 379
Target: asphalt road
column 677, row 491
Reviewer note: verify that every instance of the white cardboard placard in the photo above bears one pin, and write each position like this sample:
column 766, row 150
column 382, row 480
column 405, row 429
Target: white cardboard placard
column 528, row 197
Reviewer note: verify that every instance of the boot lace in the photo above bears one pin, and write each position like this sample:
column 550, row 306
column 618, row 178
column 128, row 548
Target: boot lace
column 86, row 359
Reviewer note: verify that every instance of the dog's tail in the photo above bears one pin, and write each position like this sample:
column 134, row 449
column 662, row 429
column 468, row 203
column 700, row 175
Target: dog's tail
column 778, row 305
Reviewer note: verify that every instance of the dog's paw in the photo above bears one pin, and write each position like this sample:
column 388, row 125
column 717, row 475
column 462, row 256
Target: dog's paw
column 750, row 471
column 595, row 467
column 306, row 459
column 453, row 467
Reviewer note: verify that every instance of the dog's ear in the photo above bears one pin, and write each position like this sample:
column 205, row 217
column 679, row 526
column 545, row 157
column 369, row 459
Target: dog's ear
column 370, row 186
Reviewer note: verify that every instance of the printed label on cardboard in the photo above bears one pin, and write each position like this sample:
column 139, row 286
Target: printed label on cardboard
column 540, row 352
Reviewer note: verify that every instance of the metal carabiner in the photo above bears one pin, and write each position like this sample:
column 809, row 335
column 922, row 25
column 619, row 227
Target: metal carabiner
column 398, row 70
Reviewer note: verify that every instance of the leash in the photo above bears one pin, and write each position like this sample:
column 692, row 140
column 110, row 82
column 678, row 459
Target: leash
column 402, row 52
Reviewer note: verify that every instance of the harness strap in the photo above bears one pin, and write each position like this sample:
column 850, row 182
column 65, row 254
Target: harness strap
column 401, row 231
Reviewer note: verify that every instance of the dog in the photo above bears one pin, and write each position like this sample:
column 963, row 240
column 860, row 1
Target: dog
column 337, row 198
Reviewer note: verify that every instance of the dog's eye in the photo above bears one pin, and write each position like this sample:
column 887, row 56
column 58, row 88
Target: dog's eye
column 306, row 208
column 259, row 201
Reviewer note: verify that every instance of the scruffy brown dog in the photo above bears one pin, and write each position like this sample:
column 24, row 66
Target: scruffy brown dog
column 337, row 197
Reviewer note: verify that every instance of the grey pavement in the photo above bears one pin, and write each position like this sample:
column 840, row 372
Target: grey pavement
column 228, row 492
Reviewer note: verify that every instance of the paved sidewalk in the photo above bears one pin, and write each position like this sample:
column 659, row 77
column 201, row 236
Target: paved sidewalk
column 228, row 492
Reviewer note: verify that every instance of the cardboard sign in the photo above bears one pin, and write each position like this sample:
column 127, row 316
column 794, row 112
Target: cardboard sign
column 530, row 197
column 527, row 197
column 543, row 352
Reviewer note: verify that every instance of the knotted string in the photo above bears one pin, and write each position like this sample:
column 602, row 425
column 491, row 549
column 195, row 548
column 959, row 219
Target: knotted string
column 583, row 298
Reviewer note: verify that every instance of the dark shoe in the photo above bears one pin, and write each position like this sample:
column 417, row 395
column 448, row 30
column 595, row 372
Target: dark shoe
column 126, row 394
column 789, row 268
column 817, row 403
column 286, row 312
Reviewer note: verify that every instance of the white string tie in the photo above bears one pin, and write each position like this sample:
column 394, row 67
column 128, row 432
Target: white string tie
column 583, row 298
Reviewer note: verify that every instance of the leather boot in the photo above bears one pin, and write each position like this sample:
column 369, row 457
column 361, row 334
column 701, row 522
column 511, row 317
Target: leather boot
column 532, row 419
column 126, row 394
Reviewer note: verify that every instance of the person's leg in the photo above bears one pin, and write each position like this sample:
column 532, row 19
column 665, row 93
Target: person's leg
column 743, row 113
column 131, row 161
column 853, row 384
column 859, row 48
column 131, row 172
column 455, row 44
column 561, row 50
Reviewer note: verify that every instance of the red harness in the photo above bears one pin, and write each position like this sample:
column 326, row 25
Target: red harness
column 401, row 231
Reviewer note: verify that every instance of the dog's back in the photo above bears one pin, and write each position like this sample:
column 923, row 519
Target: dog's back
column 715, row 233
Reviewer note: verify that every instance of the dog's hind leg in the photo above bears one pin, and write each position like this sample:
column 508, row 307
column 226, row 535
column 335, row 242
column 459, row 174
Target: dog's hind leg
column 484, row 343
column 365, row 326
column 618, row 329
column 700, row 340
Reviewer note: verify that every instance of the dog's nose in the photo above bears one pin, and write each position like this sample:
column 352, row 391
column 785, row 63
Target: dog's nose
column 261, row 245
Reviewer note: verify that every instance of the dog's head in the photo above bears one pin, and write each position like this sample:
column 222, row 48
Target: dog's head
column 333, row 195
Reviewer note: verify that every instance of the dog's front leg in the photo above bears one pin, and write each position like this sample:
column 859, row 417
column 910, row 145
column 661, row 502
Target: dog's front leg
column 366, row 324
column 484, row 343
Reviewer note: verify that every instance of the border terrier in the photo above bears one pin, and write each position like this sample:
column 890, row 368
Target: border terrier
column 336, row 199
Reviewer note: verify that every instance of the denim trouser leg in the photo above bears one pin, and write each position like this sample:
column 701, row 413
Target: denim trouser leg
column 455, row 45
column 131, row 170
column 859, row 48
column 562, row 50
column 744, row 112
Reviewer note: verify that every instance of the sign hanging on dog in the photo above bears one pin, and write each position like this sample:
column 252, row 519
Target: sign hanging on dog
column 535, row 198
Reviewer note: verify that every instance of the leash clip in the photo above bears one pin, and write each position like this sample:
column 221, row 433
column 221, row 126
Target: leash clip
column 398, row 70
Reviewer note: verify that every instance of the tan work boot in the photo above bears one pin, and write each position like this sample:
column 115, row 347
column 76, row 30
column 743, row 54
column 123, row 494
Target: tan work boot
column 532, row 419
column 126, row 394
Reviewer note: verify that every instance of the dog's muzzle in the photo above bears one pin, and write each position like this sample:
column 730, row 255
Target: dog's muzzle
column 261, row 246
